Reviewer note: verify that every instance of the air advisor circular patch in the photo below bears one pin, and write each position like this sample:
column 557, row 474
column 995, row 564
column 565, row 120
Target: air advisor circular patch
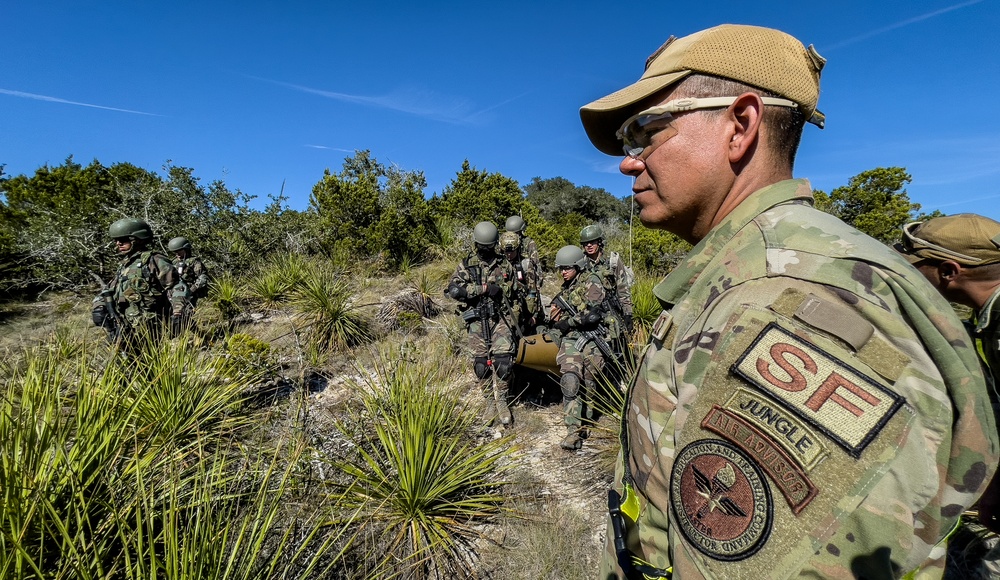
column 721, row 500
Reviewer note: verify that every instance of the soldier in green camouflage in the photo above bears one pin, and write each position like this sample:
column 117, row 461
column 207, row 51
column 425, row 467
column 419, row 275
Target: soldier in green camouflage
column 960, row 256
column 484, row 285
column 577, row 308
column 192, row 284
column 807, row 405
column 529, row 249
column 527, row 300
column 140, row 289
column 618, row 277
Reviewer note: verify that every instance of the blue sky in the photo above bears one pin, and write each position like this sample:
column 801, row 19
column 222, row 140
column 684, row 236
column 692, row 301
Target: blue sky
column 260, row 93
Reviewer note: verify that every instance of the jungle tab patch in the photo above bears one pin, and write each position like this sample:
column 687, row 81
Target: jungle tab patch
column 792, row 482
column 846, row 405
column 721, row 500
column 786, row 428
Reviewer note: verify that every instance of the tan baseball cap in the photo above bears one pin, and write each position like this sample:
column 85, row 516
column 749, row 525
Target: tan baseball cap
column 967, row 238
column 763, row 57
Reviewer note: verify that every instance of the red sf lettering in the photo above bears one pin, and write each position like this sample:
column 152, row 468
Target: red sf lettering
column 828, row 392
column 779, row 353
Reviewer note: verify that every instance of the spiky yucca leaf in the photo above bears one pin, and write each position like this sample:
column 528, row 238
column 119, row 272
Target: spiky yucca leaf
column 227, row 293
column 324, row 303
column 645, row 307
column 421, row 480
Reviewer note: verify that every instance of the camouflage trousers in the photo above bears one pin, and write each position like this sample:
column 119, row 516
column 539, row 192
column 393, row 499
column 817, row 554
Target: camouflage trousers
column 585, row 362
column 493, row 366
column 501, row 338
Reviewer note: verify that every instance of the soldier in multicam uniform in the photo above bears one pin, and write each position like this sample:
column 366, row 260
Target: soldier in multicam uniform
column 618, row 277
column 580, row 360
column 527, row 301
column 529, row 249
column 484, row 284
column 140, row 288
column 192, row 284
column 960, row 256
column 807, row 406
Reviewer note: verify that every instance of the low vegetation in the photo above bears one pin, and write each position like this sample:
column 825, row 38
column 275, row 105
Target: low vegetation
column 320, row 420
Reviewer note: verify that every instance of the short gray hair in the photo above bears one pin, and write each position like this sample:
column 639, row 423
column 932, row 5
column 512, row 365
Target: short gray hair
column 782, row 124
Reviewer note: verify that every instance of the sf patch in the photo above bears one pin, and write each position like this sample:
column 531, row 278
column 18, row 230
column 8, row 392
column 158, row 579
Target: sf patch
column 845, row 404
column 721, row 500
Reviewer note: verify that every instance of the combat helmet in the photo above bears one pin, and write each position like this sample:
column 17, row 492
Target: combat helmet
column 179, row 243
column 591, row 233
column 510, row 241
column 571, row 256
column 133, row 228
column 485, row 234
column 515, row 223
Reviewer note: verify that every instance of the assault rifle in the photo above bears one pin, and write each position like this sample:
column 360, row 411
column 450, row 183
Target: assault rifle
column 596, row 336
column 104, row 312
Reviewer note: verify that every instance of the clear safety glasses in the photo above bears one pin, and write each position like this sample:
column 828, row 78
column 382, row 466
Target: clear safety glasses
column 637, row 132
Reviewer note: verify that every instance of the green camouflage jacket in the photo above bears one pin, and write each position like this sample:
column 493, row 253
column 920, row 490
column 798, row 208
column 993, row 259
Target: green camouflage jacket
column 474, row 272
column 585, row 294
column 142, row 286
column 529, row 250
column 527, row 299
column 618, row 278
column 807, row 406
column 193, row 273
column 985, row 329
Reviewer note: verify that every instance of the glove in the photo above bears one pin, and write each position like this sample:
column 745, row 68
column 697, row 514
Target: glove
column 562, row 326
column 493, row 289
column 457, row 292
column 592, row 319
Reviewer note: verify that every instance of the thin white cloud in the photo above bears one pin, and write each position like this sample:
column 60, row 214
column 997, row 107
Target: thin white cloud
column 969, row 200
column 47, row 99
column 330, row 148
column 899, row 24
column 418, row 102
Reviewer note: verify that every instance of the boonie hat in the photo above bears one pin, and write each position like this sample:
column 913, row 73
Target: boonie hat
column 967, row 238
column 763, row 57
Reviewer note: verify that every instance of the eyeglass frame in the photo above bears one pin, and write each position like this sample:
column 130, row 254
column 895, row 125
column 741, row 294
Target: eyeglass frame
column 682, row 105
column 913, row 240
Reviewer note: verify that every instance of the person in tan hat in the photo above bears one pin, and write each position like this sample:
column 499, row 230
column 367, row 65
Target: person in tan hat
column 807, row 404
column 960, row 256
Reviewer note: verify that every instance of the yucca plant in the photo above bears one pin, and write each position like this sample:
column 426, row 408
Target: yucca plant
column 272, row 283
column 417, row 476
column 227, row 294
column 645, row 307
column 324, row 304
column 228, row 517
column 181, row 394
column 120, row 473
column 57, row 445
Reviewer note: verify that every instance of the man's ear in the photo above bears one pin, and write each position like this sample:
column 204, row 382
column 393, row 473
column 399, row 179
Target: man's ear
column 744, row 118
column 949, row 270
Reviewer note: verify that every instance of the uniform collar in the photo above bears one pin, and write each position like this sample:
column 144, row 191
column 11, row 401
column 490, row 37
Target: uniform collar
column 679, row 281
column 986, row 314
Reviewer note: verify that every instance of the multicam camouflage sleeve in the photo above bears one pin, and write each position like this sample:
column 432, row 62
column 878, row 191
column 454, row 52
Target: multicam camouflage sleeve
column 800, row 414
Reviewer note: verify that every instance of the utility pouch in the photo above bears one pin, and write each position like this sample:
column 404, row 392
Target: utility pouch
column 98, row 312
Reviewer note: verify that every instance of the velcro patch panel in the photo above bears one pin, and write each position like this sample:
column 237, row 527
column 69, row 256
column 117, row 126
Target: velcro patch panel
column 840, row 401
